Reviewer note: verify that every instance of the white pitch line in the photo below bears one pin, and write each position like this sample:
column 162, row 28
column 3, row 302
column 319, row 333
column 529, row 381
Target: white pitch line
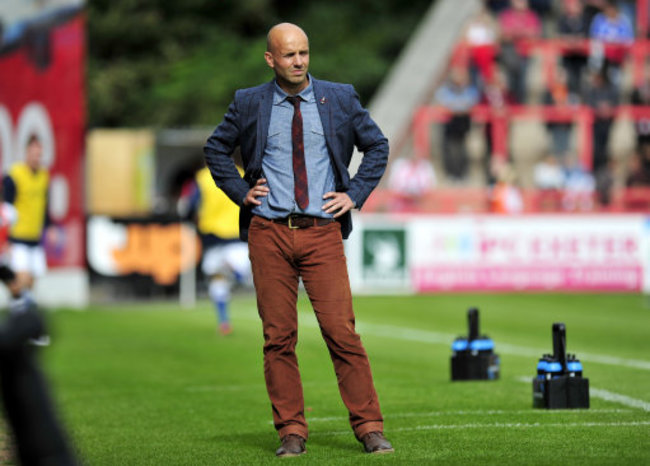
column 425, row 336
column 477, row 412
column 615, row 361
column 618, row 398
column 308, row 319
column 506, row 425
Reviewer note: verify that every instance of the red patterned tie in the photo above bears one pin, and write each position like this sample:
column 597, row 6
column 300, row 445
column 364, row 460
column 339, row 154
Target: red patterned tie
column 300, row 189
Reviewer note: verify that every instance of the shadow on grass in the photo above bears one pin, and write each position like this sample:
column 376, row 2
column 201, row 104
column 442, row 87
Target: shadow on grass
column 342, row 443
column 267, row 442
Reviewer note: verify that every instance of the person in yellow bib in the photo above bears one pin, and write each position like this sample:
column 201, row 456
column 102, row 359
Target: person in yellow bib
column 225, row 257
column 26, row 187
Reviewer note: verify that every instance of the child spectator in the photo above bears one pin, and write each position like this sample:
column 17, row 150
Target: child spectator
column 548, row 174
column 505, row 196
column 558, row 95
column 579, row 187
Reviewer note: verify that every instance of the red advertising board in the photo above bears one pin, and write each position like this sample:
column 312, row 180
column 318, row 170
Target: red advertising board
column 42, row 92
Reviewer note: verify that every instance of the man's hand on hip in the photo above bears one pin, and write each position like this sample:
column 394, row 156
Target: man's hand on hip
column 339, row 203
column 259, row 190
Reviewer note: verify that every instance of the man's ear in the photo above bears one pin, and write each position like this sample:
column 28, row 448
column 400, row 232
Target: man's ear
column 269, row 59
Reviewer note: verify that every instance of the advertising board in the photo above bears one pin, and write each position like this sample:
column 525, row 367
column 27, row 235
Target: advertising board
column 504, row 253
column 42, row 93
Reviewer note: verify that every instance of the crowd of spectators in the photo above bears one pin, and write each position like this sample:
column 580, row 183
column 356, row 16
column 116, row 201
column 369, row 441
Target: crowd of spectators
column 596, row 36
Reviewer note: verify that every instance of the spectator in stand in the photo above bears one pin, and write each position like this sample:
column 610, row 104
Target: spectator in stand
column 505, row 196
column 409, row 179
column 558, row 95
column 572, row 29
column 497, row 95
column 611, row 33
column 641, row 97
column 482, row 40
column 458, row 96
column 638, row 172
column 548, row 177
column 548, row 174
column 579, row 187
column 603, row 97
column 518, row 25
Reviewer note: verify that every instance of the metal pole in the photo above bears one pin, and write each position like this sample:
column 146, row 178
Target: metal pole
column 187, row 279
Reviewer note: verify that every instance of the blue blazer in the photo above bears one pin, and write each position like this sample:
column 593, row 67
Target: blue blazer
column 345, row 123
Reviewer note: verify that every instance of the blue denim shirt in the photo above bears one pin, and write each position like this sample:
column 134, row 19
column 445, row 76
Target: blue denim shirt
column 277, row 164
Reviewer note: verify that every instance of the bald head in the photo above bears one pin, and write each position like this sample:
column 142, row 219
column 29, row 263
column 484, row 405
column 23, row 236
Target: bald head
column 278, row 33
column 287, row 53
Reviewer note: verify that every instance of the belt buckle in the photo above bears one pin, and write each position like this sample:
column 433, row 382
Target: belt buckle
column 290, row 223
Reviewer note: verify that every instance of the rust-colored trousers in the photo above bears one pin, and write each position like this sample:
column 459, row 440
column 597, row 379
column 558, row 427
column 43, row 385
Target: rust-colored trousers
column 279, row 256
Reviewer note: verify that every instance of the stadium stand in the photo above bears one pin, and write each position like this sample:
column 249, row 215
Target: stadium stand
column 585, row 100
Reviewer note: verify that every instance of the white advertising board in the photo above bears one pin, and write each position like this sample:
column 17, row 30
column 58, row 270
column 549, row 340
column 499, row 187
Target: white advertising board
column 500, row 253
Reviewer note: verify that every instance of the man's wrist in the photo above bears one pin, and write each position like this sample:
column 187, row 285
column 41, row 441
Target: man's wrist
column 354, row 202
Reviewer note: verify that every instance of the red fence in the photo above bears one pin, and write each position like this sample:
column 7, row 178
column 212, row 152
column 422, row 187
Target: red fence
column 501, row 120
column 478, row 200
column 552, row 48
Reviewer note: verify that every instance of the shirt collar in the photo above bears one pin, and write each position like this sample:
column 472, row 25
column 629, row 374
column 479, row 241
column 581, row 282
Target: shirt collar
column 307, row 94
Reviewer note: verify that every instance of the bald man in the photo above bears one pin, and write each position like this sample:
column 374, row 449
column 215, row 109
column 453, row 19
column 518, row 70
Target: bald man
column 296, row 136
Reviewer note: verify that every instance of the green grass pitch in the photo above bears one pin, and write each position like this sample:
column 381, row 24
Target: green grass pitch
column 152, row 384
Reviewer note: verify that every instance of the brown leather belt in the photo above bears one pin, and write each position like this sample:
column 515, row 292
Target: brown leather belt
column 296, row 221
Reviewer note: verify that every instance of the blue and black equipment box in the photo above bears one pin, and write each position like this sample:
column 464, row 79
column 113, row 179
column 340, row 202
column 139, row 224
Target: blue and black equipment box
column 473, row 357
column 559, row 383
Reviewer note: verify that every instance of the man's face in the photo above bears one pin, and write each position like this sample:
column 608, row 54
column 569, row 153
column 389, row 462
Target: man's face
column 459, row 77
column 573, row 7
column 288, row 55
column 611, row 11
column 520, row 4
column 34, row 154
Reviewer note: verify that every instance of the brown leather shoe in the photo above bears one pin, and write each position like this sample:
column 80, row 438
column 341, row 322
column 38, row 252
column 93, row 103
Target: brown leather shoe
column 374, row 442
column 292, row 445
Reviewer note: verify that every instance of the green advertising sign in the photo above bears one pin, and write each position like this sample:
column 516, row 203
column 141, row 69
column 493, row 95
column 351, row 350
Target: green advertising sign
column 384, row 256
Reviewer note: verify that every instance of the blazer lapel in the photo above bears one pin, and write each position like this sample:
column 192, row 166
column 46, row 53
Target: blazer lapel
column 324, row 110
column 263, row 121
